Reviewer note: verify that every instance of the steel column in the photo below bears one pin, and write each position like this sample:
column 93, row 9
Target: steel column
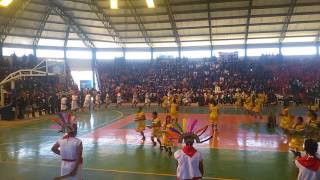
column 173, row 24
column 60, row 10
column 93, row 66
column 210, row 28
column 287, row 21
column 106, row 21
column 5, row 29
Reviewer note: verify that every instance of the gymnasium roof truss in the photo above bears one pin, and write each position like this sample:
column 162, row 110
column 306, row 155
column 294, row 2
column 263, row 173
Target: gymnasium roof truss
column 287, row 21
column 66, row 38
column 5, row 29
column 41, row 27
column 248, row 25
column 178, row 23
column 59, row 9
column 173, row 23
column 140, row 23
column 210, row 25
column 106, row 21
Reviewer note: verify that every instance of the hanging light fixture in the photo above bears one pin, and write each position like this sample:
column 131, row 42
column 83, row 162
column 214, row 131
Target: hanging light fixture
column 5, row 3
column 150, row 3
column 114, row 4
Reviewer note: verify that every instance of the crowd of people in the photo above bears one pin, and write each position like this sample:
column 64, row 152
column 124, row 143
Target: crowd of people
column 294, row 79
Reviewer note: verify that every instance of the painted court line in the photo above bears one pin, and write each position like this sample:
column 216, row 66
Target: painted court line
column 111, row 170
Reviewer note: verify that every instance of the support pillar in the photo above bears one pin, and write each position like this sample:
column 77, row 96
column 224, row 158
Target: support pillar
column 2, row 96
column 151, row 54
column 179, row 51
column 65, row 61
column 1, row 52
column 246, row 52
column 280, row 49
column 211, row 52
column 317, row 46
column 93, row 65
column 34, row 51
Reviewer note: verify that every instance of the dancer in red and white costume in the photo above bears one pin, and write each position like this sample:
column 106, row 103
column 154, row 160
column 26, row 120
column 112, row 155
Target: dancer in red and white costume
column 190, row 161
column 309, row 165
column 69, row 148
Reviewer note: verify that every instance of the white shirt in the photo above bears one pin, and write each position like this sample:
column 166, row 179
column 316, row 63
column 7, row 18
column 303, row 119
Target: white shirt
column 68, row 147
column 74, row 97
column 88, row 97
column 307, row 174
column 188, row 167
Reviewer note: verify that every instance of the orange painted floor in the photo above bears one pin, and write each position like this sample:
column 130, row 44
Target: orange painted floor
column 237, row 132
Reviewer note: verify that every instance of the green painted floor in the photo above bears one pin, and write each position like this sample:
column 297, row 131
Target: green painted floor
column 25, row 154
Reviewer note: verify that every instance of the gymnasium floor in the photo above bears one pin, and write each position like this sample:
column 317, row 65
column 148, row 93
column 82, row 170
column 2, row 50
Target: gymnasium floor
column 242, row 149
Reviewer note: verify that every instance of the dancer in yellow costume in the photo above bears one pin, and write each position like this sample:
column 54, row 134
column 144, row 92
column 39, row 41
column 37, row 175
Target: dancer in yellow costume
column 238, row 99
column 297, row 139
column 214, row 111
column 165, row 100
column 167, row 142
column 285, row 119
column 258, row 107
column 140, row 122
column 173, row 111
column 156, row 129
column 248, row 105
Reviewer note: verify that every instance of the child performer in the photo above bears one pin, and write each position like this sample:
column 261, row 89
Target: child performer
column 119, row 99
column 156, row 129
column 107, row 100
column 140, row 122
column 214, row 111
column 87, row 102
column 70, row 149
column 167, row 142
column 258, row 107
column 98, row 100
column 74, row 102
column 147, row 100
column 296, row 141
column 309, row 165
column 248, row 105
column 134, row 99
column 285, row 119
column 173, row 111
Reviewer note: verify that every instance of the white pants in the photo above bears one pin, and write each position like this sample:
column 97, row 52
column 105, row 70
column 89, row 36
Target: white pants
column 67, row 167
column 74, row 105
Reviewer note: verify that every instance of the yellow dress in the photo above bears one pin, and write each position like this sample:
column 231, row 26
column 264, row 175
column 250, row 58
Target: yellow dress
column 156, row 128
column 285, row 119
column 166, row 141
column 238, row 100
column 297, row 139
column 248, row 104
column 213, row 113
column 140, row 120
column 164, row 101
column 258, row 106
column 173, row 111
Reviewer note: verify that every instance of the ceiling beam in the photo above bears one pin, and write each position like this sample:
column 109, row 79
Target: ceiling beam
column 5, row 29
column 287, row 21
column 193, row 19
column 42, row 24
column 106, row 21
column 66, row 37
column 159, row 29
column 140, row 23
column 203, row 9
column 59, row 9
column 247, row 27
column 210, row 26
column 172, row 23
